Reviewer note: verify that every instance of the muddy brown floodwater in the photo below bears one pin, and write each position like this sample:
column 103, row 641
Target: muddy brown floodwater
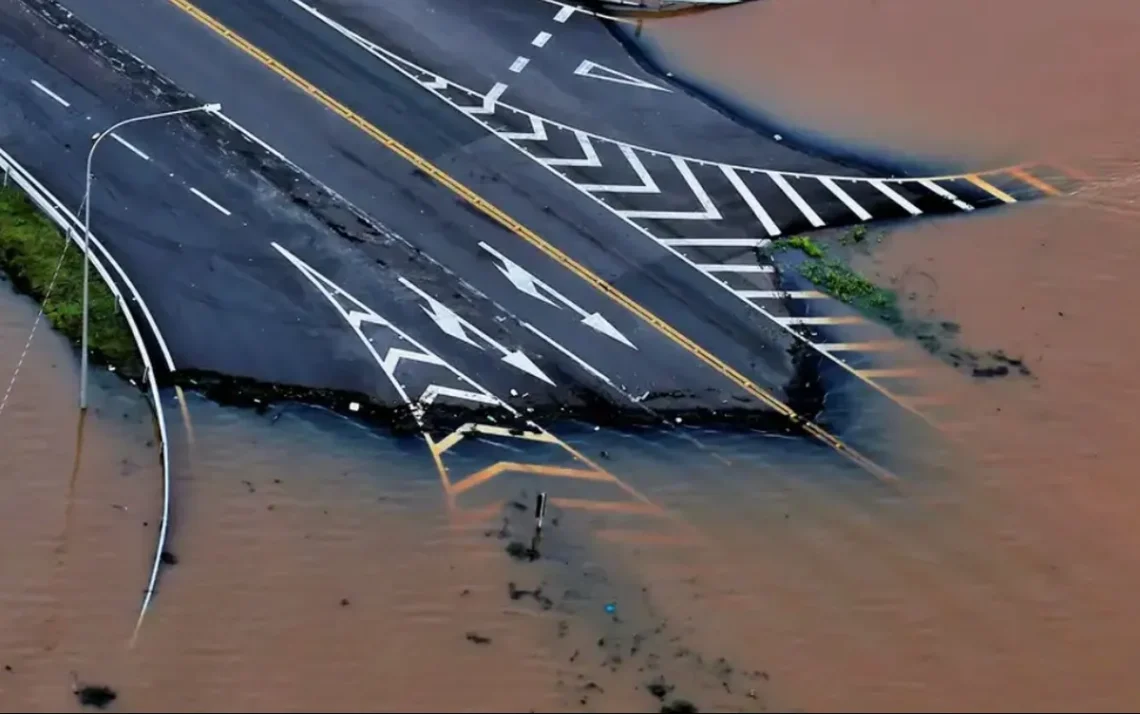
column 975, row 83
column 318, row 568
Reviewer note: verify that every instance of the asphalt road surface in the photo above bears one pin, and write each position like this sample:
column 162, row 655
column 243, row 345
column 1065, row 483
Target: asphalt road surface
column 487, row 200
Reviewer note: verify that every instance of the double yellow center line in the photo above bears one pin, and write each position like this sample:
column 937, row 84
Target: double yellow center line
column 529, row 236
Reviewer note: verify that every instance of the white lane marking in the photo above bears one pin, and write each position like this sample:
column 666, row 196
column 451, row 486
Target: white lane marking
column 590, row 155
column 781, row 294
column 488, row 106
column 594, row 70
column 437, row 83
column 750, row 199
column 796, row 198
column 581, row 362
column 132, row 147
column 896, row 197
column 716, row 242
column 735, row 268
column 531, row 285
column 939, row 191
column 50, row 93
column 519, row 64
column 455, row 326
column 826, row 320
column 648, row 185
column 710, row 212
column 209, row 200
column 564, row 13
column 537, row 133
column 541, row 39
column 846, row 199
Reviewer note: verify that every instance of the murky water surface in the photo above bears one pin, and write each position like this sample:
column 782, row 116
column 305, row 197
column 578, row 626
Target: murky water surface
column 319, row 568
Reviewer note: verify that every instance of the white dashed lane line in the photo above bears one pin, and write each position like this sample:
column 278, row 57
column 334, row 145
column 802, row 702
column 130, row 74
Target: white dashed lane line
column 519, row 64
column 51, row 94
column 137, row 151
column 209, row 200
column 565, row 13
column 541, row 39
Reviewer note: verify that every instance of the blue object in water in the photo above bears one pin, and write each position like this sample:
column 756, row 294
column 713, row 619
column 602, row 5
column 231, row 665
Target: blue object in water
column 611, row 608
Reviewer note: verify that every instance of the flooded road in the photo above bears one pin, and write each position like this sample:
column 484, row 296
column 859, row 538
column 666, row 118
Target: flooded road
column 318, row 566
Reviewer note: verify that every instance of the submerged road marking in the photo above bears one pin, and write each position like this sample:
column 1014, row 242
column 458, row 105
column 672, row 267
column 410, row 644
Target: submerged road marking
column 51, row 94
column 209, row 200
column 1034, row 182
column 541, row 39
column 519, row 64
column 581, row 271
column 138, row 152
column 990, row 188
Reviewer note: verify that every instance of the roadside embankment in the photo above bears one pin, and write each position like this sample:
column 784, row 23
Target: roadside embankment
column 40, row 263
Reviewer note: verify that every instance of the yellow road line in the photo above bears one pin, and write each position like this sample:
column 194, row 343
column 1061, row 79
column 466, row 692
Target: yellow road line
column 1034, row 182
column 528, row 235
column 490, row 472
column 989, row 188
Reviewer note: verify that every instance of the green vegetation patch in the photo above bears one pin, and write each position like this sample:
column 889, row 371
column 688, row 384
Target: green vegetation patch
column 30, row 247
column 844, row 284
column 803, row 244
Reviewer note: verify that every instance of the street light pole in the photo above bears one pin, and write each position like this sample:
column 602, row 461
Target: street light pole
column 86, row 206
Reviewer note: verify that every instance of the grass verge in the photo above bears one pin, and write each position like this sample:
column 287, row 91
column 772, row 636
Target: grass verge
column 30, row 246
column 845, row 285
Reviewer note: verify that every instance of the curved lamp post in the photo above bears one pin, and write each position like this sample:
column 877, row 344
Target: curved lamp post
column 96, row 139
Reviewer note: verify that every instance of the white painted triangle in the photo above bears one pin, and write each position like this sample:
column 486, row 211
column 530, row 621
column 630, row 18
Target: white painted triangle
column 519, row 360
column 597, row 71
column 602, row 325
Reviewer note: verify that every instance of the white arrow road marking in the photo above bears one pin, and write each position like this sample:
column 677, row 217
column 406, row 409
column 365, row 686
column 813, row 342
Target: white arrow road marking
column 606, row 74
column 455, row 326
column 527, row 283
column 359, row 314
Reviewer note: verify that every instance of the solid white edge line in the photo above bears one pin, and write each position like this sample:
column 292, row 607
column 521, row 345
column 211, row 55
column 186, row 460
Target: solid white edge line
column 138, row 152
column 209, row 200
column 51, row 94
column 51, row 206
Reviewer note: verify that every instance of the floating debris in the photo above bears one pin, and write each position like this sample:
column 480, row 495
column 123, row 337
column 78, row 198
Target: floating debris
column 478, row 639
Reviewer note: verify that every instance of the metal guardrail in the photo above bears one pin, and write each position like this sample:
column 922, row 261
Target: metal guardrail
column 54, row 209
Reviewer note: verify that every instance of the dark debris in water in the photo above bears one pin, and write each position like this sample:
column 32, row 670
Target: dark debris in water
column 95, row 695
column 521, row 551
column 168, row 558
column 679, row 706
column 516, row 593
column 478, row 639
